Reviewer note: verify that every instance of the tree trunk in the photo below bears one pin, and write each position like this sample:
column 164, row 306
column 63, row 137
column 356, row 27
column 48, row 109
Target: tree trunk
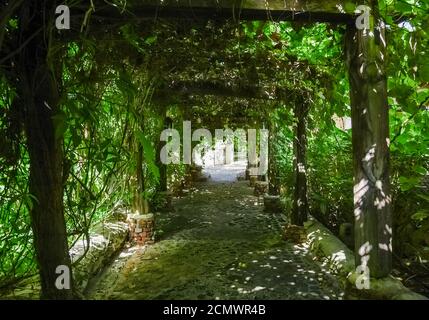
column 370, row 122
column 300, row 206
column 38, row 91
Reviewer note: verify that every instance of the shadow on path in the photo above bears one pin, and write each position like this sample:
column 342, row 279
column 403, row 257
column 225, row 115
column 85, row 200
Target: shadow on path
column 218, row 244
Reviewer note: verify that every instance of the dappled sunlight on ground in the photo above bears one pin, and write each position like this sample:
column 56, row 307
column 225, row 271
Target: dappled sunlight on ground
column 217, row 244
column 225, row 172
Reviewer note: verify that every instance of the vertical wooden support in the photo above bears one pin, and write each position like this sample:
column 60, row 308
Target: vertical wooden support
column 139, row 202
column 39, row 97
column 163, row 177
column 273, row 179
column 300, row 206
column 365, row 52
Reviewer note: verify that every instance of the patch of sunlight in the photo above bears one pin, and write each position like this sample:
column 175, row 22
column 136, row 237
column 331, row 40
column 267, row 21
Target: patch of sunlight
column 388, row 228
column 242, row 291
column 258, row 288
column 125, row 254
column 339, row 256
column 365, row 249
column 370, row 154
column 114, row 226
column 340, row 8
column 407, row 25
column 359, row 190
column 273, row 257
column 98, row 240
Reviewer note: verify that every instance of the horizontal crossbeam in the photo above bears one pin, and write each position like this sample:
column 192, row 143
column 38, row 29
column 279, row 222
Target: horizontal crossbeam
column 335, row 11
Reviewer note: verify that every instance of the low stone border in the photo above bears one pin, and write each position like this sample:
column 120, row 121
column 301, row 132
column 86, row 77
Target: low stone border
column 106, row 239
column 339, row 259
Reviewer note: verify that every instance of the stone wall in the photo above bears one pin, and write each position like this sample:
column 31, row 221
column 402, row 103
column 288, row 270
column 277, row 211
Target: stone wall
column 340, row 260
column 105, row 240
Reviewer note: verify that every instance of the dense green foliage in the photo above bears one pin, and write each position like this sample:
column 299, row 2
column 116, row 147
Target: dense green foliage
column 114, row 86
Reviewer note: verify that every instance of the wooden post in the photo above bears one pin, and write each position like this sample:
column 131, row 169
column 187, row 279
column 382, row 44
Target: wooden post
column 300, row 206
column 38, row 95
column 273, row 179
column 140, row 204
column 163, row 177
column 139, row 200
column 365, row 52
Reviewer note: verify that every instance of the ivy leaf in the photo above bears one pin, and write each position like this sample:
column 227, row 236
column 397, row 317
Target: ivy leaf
column 151, row 40
column 423, row 196
column 420, row 215
column 149, row 154
column 420, row 170
column 408, row 183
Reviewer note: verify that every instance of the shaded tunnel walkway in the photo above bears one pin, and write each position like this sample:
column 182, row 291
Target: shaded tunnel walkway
column 218, row 244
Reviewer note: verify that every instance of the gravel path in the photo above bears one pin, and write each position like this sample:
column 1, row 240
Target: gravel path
column 218, row 244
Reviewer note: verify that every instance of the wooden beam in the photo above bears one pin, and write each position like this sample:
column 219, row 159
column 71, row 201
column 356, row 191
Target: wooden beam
column 336, row 11
column 366, row 52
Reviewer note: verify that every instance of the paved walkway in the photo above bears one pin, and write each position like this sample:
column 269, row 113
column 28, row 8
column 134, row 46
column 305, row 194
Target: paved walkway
column 218, row 244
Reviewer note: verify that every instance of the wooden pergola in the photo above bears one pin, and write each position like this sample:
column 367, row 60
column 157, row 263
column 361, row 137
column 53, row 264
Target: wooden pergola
column 365, row 54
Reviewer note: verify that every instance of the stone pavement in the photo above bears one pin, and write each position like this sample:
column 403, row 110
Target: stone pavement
column 218, row 244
